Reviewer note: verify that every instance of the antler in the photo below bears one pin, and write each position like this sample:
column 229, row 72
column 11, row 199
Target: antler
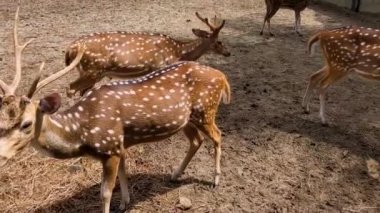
column 205, row 20
column 36, row 86
column 211, row 26
column 11, row 89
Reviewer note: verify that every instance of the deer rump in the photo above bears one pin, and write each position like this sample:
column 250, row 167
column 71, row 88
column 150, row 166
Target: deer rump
column 360, row 52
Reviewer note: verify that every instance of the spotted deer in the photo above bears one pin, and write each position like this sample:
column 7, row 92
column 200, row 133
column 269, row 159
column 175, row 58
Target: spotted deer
column 273, row 6
column 126, row 55
column 112, row 117
column 346, row 50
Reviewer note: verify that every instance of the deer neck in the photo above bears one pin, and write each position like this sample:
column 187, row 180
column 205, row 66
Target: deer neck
column 52, row 138
column 192, row 50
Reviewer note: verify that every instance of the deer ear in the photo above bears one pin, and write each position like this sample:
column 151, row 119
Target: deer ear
column 50, row 104
column 201, row 33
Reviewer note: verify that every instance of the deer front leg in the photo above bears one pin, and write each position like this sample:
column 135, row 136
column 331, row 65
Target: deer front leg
column 195, row 139
column 110, row 168
column 125, row 198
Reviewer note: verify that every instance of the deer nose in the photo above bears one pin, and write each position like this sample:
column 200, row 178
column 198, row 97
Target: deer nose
column 228, row 54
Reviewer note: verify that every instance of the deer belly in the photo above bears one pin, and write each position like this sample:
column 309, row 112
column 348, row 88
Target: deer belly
column 155, row 129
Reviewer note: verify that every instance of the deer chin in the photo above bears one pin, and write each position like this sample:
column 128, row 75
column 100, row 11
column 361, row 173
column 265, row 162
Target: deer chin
column 12, row 145
column 5, row 153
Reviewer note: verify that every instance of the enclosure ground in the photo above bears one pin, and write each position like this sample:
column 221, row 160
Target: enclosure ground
column 275, row 158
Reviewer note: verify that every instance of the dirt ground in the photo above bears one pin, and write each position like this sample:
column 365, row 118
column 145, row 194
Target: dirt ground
column 275, row 158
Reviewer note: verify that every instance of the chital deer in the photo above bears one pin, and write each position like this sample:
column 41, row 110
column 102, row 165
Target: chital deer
column 112, row 117
column 126, row 55
column 274, row 5
column 346, row 50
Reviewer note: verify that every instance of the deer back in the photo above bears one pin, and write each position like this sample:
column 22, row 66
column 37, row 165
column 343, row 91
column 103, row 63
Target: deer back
column 122, row 51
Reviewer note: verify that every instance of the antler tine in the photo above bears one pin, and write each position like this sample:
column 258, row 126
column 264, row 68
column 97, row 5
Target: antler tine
column 4, row 87
column 205, row 20
column 33, row 87
column 221, row 25
column 18, row 52
column 62, row 72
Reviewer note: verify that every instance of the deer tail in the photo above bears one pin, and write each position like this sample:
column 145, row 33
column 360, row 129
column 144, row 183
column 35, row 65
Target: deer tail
column 226, row 93
column 312, row 43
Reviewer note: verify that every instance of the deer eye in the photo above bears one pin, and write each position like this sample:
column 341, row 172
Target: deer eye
column 25, row 125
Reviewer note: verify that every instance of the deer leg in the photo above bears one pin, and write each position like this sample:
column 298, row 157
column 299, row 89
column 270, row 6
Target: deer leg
column 314, row 80
column 272, row 12
column 195, row 139
column 110, row 167
column 266, row 16
column 83, row 91
column 270, row 32
column 297, row 22
column 327, row 80
column 213, row 132
column 322, row 106
column 125, row 198
column 262, row 29
column 82, row 84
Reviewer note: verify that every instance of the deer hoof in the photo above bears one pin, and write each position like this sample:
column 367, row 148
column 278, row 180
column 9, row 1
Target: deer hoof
column 174, row 177
column 123, row 205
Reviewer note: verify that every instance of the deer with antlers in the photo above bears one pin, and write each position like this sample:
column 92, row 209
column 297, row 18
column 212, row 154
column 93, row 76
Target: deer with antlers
column 346, row 50
column 273, row 6
column 126, row 55
column 112, row 117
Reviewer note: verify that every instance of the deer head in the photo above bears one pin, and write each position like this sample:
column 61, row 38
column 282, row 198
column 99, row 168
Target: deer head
column 212, row 37
column 18, row 112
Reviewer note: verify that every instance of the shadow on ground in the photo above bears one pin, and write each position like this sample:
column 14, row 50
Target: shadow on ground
column 142, row 187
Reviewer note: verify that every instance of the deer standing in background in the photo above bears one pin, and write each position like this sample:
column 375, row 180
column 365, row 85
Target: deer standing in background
column 127, row 55
column 112, row 117
column 346, row 50
column 274, row 5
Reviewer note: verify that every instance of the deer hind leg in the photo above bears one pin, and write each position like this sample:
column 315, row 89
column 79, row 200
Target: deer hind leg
column 266, row 16
column 327, row 80
column 314, row 81
column 196, row 140
column 269, row 7
column 213, row 132
column 125, row 198
column 110, row 168
column 273, row 11
column 83, row 91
